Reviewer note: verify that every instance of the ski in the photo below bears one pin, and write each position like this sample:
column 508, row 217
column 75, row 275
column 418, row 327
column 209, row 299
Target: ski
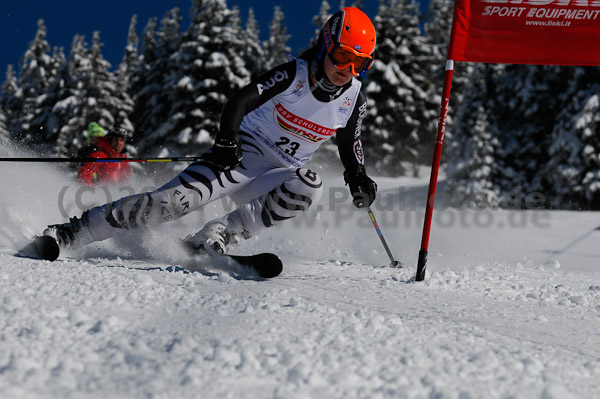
column 266, row 265
column 41, row 247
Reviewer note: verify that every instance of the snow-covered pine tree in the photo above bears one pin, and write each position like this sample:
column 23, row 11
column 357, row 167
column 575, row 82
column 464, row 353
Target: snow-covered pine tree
column 573, row 168
column 44, row 120
column 10, row 101
column 130, row 64
column 205, row 71
column 127, row 72
column 92, row 94
column 71, row 101
column 252, row 51
column 34, row 79
column 4, row 133
column 149, row 45
column 357, row 4
column 417, row 57
column 401, row 112
column 276, row 48
column 113, row 103
column 473, row 159
column 319, row 20
column 437, row 32
column 151, row 88
column 526, row 108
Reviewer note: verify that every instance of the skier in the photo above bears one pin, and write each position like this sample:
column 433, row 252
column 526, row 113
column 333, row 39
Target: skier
column 267, row 132
column 103, row 146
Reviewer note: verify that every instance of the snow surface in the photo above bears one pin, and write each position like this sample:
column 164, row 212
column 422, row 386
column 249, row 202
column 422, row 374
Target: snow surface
column 509, row 309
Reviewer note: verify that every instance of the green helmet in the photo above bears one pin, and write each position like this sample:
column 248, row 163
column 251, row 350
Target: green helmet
column 95, row 131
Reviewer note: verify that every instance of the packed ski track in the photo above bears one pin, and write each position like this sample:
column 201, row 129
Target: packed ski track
column 509, row 309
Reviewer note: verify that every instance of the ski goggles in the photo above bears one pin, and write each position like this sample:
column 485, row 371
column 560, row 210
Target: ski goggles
column 343, row 56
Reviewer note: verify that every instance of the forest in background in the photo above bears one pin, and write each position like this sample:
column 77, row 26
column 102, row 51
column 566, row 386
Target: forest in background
column 513, row 130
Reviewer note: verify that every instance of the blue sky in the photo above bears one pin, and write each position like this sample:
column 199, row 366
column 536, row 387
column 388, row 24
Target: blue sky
column 65, row 18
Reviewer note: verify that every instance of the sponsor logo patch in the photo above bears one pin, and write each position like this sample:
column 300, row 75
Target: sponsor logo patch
column 278, row 77
column 346, row 105
column 298, row 89
column 300, row 127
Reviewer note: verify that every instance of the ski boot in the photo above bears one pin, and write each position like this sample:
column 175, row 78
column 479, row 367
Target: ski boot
column 74, row 234
column 218, row 235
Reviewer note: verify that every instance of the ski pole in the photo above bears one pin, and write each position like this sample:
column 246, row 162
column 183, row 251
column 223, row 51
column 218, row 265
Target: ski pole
column 577, row 240
column 394, row 263
column 80, row 159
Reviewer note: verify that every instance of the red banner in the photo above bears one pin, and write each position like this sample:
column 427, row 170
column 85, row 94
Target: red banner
column 555, row 32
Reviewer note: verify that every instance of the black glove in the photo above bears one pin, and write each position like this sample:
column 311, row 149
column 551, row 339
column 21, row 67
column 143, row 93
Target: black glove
column 362, row 188
column 226, row 154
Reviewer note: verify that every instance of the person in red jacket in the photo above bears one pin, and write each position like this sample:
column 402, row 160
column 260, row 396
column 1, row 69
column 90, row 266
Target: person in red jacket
column 104, row 146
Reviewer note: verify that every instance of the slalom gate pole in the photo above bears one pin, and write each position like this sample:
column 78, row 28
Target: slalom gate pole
column 435, row 166
column 394, row 263
column 143, row 160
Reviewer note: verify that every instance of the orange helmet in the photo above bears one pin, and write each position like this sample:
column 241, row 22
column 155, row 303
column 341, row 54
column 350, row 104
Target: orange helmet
column 349, row 38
